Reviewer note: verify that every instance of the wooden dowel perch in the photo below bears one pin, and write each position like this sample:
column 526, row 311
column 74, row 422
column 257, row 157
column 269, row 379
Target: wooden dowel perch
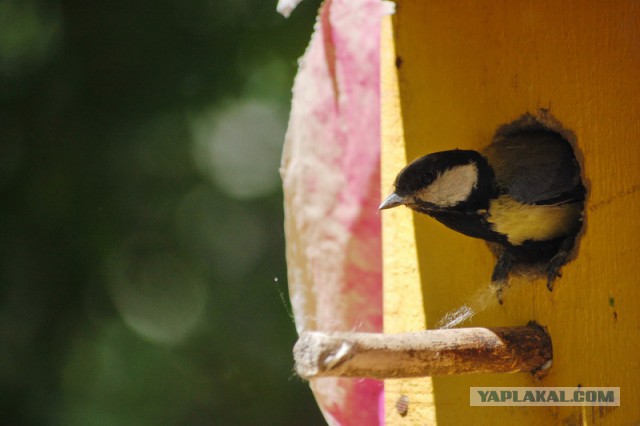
column 425, row 353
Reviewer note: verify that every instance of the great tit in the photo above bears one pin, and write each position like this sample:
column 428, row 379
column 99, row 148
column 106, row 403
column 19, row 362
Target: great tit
column 523, row 194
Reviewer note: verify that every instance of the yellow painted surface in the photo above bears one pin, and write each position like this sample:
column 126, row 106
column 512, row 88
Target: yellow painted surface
column 403, row 297
column 467, row 67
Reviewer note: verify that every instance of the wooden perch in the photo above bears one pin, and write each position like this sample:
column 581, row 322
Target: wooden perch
column 425, row 353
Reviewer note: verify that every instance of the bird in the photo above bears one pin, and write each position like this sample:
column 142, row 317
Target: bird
column 523, row 194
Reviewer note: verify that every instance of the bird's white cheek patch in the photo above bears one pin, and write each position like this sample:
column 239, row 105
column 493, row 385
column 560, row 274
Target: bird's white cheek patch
column 452, row 186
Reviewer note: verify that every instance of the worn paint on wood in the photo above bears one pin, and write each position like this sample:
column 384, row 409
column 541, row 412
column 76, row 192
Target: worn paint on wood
column 452, row 72
column 423, row 353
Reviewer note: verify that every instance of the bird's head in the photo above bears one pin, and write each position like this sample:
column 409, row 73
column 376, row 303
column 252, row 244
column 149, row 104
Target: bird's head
column 442, row 181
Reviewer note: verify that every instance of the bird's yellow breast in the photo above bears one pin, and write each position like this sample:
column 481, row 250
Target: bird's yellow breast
column 522, row 222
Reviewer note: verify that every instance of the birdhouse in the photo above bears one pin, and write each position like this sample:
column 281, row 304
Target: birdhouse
column 452, row 74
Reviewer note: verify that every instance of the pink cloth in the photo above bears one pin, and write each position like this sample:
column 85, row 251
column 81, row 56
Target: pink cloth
column 331, row 177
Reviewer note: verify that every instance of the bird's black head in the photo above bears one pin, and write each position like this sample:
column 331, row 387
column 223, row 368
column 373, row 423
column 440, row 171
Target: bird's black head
column 442, row 181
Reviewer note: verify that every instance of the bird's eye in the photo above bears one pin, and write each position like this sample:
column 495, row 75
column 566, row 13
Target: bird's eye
column 426, row 178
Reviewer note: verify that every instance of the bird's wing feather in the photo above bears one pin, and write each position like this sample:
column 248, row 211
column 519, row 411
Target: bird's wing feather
column 536, row 167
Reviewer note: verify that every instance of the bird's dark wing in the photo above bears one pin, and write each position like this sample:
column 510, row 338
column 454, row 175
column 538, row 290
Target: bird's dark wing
column 536, row 167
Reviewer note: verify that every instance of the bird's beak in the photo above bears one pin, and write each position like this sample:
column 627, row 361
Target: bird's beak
column 393, row 200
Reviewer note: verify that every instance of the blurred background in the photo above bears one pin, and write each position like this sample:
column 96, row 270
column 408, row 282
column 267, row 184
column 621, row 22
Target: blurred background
column 142, row 273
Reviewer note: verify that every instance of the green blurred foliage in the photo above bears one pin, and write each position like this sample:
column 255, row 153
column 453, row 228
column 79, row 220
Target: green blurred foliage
column 142, row 249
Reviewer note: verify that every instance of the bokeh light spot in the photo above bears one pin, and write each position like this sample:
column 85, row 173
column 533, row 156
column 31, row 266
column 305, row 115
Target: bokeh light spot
column 229, row 238
column 29, row 34
column 157, row 294
column 239, row 147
